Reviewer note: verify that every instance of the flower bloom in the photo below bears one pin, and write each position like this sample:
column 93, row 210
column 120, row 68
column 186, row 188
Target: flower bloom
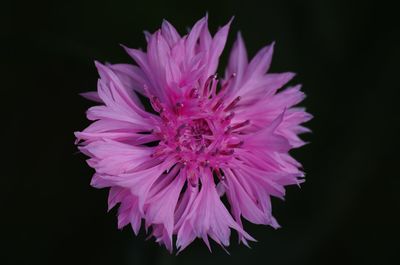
column 203, row 139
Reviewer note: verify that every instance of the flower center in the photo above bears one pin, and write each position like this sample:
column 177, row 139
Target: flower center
column 194, row 136
column 200, row 130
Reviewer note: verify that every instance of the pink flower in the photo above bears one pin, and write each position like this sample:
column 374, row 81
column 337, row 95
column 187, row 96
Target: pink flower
column 206, row 138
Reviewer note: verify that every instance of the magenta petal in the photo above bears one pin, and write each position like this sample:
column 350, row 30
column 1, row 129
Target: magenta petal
column 216, row 48
column 114, row 158
column 170, row 33
column 141, row 181
column 128, row 212
column 242, row 201
column 193, row 36
column 131, row 76
column 208, row 217
column 161, row 206
column 92, row 95
column 237, row 62
column 260, row 64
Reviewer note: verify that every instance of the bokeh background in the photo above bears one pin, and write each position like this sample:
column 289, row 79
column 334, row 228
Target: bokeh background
column 346, row 54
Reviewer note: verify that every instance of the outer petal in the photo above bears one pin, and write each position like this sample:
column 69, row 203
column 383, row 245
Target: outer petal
column 216, row 48
column 119, row 104
column 92, row 95
column 268, row 139
column 260, row 64
column 242, row 202
column 119, row 89
column 128, row 211
column 131, row 76
column 170, row 34
column 152, row 87
column 140, row 181
column 208, row 217
column 113, row 158
column 192, row 38
column 237, row 63
column 161, row 205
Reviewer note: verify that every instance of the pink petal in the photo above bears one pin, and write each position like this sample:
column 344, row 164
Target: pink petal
column 237, row 62
column 160, row 206
column 216, row 48
column 92, row 95
column 170, row 34
column 208, row 217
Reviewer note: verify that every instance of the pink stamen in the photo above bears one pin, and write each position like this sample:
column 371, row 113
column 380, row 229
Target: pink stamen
column 226, row 152
column 240, row 125
column 236, row 145
column 206, row 87
column 228, row 118
column 214, row 86
column 219, row 175
column 216, row 106
column 194, row 93
column 233, row 104
column 156, row 104
column 227, row 82
column 178, row 108
column 205, row 163
column 192, row 180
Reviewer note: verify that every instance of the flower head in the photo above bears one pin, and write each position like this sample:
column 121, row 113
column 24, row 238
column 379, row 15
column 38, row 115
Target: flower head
column 205, row 138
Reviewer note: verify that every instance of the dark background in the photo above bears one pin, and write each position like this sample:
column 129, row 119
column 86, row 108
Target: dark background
column 346, row 54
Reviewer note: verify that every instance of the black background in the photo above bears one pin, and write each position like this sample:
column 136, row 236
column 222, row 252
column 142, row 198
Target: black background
column 346, row 54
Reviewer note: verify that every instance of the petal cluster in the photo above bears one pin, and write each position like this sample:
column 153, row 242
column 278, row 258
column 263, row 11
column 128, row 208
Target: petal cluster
column 205, row 137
